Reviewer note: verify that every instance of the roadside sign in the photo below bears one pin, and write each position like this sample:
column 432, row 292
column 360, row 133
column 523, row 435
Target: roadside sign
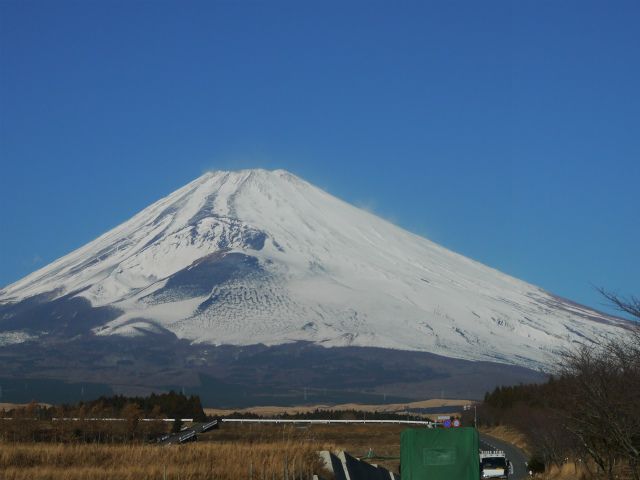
column 447, row 423
column 456, row 423
column 444, row 417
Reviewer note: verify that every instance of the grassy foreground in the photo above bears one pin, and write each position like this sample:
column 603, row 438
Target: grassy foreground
column 140, row 462
column 235, row 451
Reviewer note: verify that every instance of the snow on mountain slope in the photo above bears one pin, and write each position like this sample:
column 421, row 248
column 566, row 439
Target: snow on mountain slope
column 264, row 257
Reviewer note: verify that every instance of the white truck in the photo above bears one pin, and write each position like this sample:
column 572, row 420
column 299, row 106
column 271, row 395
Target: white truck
column 494, row 464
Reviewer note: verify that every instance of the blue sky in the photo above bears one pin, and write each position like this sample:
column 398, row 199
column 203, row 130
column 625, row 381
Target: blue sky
column 506, row 131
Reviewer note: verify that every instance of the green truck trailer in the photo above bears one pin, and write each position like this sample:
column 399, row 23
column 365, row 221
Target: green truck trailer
column 440, row 454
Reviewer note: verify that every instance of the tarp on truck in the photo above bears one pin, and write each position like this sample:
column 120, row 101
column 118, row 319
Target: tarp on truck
column 439, row 454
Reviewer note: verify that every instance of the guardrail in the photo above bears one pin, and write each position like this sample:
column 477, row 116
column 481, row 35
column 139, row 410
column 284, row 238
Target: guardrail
column 282, row 420
column 187, row 437
column 205, row 427
column 78, row 419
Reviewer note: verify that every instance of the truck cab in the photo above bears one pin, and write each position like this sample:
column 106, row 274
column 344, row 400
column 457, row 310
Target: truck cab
column 494, row 464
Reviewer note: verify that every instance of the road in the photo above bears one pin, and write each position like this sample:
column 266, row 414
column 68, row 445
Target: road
column 514, row 454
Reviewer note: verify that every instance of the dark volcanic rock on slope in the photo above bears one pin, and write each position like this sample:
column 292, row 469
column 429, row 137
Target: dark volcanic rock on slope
column 256, row 374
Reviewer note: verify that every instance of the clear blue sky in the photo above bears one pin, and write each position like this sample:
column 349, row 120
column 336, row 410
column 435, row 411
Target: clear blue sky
column 508, row 131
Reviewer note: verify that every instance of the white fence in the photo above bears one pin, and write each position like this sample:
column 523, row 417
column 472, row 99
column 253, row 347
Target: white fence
column 282, row 420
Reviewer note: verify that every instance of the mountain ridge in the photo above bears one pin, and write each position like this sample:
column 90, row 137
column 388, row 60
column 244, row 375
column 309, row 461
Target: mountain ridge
column 260, row 256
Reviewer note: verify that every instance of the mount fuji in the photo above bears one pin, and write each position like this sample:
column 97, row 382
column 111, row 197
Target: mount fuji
column 245, row 278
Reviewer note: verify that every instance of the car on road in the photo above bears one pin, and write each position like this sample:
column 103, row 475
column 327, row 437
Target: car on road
column 494, row 464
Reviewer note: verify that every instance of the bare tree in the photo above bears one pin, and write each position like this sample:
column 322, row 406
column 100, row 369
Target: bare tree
column 132, row 413
column 602, row 390
column 630, row 305
column 588, row 388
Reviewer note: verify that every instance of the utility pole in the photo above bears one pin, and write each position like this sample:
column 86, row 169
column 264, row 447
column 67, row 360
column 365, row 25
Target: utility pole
column 475, row 414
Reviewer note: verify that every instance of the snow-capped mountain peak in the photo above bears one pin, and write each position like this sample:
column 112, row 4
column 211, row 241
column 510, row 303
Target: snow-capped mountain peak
column 258, row 256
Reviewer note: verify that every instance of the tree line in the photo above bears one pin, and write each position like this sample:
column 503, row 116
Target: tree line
column 172, row 405
column 328, row 414
column 91, row 421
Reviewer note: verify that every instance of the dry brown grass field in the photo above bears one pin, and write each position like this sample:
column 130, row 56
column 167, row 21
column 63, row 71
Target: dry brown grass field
column 233, row 452
column 568, row 471
column 456, row 407
column 9, row 406
column 573, row 471
column 147, row 462
column 357, row 439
